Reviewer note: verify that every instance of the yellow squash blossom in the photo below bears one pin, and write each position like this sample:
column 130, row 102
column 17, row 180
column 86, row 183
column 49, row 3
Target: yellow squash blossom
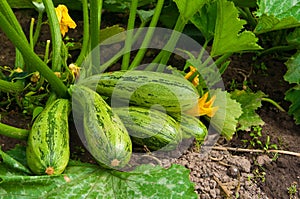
column 65, row 21
column 204, row 107
column 195, row 81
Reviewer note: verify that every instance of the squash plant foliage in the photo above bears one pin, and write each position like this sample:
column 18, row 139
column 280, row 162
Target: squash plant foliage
column 221, row 25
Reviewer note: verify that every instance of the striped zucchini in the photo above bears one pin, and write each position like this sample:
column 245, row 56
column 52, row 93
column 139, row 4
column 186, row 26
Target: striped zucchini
column 147, row 88
column 149, row 127
column 106, row 136
column 47, row 150
column 191, row 127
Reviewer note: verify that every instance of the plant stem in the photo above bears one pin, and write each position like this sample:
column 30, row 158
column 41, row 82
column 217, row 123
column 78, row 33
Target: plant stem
column 250, row 17
column 38, row 27
column 200, row 56
column 273, row 103
column 95, row 21
column 277, row 48
column 140, row 55
column 128, row 41
column 11, row 87
column 8, row 13
column 13, row 132
column 179, row 26
column 86, row 34
column 119, row 54
column 32, row 59
column 55, row 35
column 221, row 59
column 31, row 34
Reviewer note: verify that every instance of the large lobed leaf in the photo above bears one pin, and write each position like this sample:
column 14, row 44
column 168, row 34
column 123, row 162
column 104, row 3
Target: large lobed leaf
column 226, row 118
column 249, row 102
column 187, row 8
column 293, row 73
column 293, row 95
column 277, row 14
column 228, row 37
column 82, row 180
column 205, row 20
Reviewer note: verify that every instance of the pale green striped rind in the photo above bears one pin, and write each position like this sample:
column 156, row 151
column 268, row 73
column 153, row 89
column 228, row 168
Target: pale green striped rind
column 48, row 140
column 106, row 136
column 147, row 88
column 193, row 127
column 150, row 127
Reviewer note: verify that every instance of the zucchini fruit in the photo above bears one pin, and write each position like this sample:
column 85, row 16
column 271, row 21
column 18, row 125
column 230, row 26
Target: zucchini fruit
column 106, row 136
column 147, row 88
column 149, row 127
column 47, row 150
column 192, row 127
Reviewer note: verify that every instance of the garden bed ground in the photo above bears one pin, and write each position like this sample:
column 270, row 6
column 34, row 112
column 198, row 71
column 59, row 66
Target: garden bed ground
column 219, row 172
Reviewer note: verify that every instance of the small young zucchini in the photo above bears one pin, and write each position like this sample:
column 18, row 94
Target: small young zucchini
column 151, row 128
column 47, row 150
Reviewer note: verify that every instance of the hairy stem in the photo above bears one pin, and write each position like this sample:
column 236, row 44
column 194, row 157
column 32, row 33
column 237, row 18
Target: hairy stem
column 13, row 132
column 55, row 35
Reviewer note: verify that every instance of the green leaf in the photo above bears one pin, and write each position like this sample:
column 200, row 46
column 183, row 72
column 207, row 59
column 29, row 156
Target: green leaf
column 294, row 38
column 107, row 33
column 83, row 180
column 12, row 163
column 249, row 102
column 36, row 111
column 226, row 118
column 169, row 15
column 187, row 8
column 145, row 15
column 205, row 20
column 293, row 95
column 277, row 14
column 228, row 36
column 243, row 3
column 293, row 73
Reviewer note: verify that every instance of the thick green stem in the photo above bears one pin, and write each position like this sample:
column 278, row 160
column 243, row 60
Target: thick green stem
column 13, row 132
column 55, row 35
column 86, row 34
column 95, row 22
column 128, row 41
column 179, row 26
column 8, row 13
column 221, row 59
column 11, row 87
column 32, row 60
column 38, row 27
column 140, row 55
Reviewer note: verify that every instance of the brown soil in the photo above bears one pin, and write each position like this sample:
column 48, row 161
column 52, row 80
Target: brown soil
column 281, row 171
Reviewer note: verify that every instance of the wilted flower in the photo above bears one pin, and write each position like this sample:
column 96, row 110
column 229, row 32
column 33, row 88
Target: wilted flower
column 35, row 77
column 18, row 70
column 75, row 70
column 64, row 19
column 58, row 74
